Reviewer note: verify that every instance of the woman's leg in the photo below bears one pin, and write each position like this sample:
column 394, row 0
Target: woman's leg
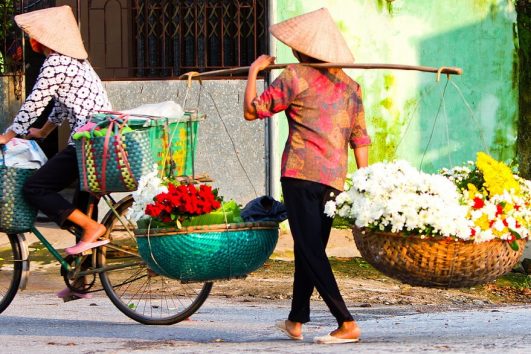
column 42, row 191
column 305, row 204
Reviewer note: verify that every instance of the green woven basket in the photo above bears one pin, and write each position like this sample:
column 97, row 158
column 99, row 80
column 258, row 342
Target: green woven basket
column 16, row 215
column 207, row 253
column 120, row 174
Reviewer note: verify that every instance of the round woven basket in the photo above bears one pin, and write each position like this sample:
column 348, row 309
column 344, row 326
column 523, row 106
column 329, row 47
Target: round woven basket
column 436, row 262
column 206, row 253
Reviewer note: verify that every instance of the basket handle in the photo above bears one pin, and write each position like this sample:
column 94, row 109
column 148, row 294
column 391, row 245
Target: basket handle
column 111, row 122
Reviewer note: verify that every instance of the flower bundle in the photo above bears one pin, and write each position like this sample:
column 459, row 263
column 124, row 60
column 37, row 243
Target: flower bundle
column 498, row 202
column 396, row 197
column 166, row 203
column 181, row 202
column 480, row 201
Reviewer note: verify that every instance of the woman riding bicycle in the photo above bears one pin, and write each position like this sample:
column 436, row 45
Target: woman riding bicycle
column 68, row 78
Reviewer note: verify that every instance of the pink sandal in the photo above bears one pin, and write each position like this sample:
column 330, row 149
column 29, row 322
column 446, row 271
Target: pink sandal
column 67, row 292
column 82, row 246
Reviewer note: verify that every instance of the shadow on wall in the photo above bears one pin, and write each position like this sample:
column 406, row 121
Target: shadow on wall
column 479, row 109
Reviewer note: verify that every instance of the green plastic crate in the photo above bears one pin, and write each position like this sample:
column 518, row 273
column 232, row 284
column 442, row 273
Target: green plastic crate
column 173, row 142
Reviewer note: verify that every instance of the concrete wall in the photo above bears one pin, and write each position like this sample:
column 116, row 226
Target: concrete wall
column 231, row 150
column 225, row 139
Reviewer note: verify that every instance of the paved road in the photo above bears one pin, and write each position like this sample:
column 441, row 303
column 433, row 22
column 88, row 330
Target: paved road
column 40, row 323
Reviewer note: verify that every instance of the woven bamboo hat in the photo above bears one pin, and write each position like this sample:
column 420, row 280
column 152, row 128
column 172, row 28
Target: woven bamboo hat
column 55, row 28
column 316, row 35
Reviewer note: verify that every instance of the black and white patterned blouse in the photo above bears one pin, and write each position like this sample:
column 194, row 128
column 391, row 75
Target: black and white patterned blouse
column 74, row 86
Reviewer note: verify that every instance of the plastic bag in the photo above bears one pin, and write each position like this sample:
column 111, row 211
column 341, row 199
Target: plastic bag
column 21, row 153
column 167, row 109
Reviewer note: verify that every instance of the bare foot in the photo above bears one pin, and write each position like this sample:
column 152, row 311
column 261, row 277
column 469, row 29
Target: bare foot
column 294, row 328
column 93, row 232
column 348, row 330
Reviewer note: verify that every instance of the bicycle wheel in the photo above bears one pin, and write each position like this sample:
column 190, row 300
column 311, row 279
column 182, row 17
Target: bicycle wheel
column 10, row 268
column 136, row 290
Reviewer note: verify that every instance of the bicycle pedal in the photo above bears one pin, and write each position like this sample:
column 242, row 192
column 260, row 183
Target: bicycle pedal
column 87, row 252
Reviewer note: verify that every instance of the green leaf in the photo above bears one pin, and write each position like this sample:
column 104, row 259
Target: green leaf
column 515, row 234
column 514, row 245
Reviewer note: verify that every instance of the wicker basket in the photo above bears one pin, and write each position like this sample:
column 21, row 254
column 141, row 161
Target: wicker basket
column 113, row 163
column 206, row 253
column 16, row 215
column 436, row 262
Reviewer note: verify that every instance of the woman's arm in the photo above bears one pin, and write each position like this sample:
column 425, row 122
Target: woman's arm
column 8, row 135
column 262, row 62
column 44, row 90
column 43, row 132
column 362, row 156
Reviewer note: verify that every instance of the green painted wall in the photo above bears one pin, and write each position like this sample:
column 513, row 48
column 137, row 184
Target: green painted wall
column 406, row 116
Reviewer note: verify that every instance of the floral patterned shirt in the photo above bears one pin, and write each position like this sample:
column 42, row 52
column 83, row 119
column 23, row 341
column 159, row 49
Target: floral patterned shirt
column 74, row 86
column 325, row 114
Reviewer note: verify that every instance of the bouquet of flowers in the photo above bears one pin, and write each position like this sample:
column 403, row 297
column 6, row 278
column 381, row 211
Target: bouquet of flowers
column 498, row 201
column 160, row 202
column 480, row 202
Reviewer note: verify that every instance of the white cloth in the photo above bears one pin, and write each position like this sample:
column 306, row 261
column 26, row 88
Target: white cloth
column 22, row 153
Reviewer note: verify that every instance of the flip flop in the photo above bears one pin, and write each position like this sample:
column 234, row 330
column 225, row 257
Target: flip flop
column 328, row 339
column 281, row 325
column 82, row 246
column 66, row 292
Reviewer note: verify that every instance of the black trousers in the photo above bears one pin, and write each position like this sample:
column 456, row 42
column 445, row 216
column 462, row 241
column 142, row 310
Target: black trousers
column 311, row 228
column 42, row 189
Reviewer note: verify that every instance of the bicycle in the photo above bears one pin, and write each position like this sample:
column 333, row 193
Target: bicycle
column 135, row 289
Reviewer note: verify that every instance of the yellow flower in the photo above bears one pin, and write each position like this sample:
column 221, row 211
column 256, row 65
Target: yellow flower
column 472, row 191
column 500, row 233
column 497, row 175
column 483, row 222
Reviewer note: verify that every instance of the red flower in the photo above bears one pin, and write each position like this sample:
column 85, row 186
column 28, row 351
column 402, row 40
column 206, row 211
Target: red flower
column 499, row 209
column 182, row 202
column 478, row 203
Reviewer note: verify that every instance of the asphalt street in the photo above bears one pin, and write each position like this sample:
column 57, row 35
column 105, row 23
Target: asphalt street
column 41, row 323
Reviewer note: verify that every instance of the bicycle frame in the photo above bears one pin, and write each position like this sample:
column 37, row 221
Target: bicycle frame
column 78, row 258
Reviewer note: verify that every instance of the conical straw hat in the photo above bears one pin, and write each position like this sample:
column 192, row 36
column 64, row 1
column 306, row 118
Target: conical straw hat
column 316, row 35
column 56, row 28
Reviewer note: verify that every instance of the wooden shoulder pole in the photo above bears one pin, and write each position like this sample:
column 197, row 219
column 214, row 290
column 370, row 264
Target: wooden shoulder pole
column 244, row 69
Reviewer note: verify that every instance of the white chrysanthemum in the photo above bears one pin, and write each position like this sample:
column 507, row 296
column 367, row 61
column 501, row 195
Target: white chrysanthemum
column 399, row 197
column 330, row 208
column 149, row 186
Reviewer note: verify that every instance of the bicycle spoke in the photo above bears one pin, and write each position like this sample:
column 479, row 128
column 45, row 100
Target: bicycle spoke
column 137, row 290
